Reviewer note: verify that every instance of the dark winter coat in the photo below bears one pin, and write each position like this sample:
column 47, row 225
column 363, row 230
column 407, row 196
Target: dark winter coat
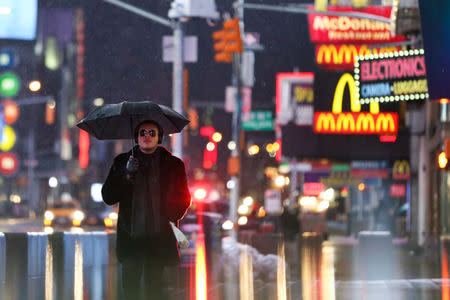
column 175, row 200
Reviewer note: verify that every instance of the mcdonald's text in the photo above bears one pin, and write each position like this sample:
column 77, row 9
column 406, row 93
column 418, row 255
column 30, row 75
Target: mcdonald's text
column 342, row 56
column 345, row 29
column 355, row 123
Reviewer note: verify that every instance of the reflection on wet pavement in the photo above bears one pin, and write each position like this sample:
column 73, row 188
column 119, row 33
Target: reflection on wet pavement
column 258, row 268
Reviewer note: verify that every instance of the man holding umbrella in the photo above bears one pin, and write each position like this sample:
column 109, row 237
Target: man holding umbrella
column 150, row 185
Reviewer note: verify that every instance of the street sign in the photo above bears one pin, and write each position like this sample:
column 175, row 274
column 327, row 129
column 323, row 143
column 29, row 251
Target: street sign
column 258, row 120
column 230, row 99
column 251, row 39
column 190, row 48
column 8, row 163
column 272, row 202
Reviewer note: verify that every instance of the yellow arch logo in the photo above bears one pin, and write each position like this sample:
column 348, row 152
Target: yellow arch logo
column 354, row 122
column 347, row 79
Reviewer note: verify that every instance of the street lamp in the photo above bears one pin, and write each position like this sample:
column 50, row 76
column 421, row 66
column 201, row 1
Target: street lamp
column 181, row 10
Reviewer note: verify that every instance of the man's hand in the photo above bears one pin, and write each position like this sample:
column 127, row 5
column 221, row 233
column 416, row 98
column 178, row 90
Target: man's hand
column 132, row 165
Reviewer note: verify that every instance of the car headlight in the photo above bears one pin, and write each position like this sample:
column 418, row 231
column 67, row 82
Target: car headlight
column 78, row 215
column 48, row 215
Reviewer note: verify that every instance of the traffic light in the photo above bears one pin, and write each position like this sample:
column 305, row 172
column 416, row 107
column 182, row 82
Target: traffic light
column 227, row 41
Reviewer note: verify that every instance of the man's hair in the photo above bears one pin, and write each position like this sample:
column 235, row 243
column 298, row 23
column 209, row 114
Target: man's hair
column 160, row 130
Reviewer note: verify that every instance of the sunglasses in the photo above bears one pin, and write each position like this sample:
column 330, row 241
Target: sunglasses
column 151, row 132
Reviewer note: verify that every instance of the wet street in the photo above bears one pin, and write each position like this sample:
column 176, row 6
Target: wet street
column 261, row 266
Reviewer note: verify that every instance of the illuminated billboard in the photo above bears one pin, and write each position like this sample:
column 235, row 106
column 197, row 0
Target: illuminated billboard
column 18, row 19
column 399, row 76
column 295, row 98
column 342, row 56
column 302, row 142
column 346, row 29
column 355, row 122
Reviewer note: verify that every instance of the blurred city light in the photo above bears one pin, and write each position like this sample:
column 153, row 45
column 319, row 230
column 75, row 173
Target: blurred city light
column 217, row 137
column 253, row 150
column 361, row 186
column 248, row 201
column 276, row 146
column 14, row 198
column 261, row 212
column 210, row 146
column 442, row 160
column 242, row 220
column 53, row 182
column 96, row 192
column 5, row 10
column 200, row 194
column 328, row 194
column 34, row 85
column 284, row 168
column 231, row 184
column 227, row 225
column 323, row 205
column 214, row 195
column 99, row 101
column 8, row 139
column 444, row 100
column 269, row 148
column 243, row 209
column 11, row 111
column 308, row 201
column 231, row 145
column 280, row 181
column 9, row 84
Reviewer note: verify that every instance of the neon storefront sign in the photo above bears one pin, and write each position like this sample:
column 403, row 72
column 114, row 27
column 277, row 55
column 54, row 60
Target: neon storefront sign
column 342, row 56
column 354, row 122
column 391, row 77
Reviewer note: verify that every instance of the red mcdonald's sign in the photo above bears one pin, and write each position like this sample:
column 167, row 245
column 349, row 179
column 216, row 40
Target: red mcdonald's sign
column 342, row 56
column 355, row 122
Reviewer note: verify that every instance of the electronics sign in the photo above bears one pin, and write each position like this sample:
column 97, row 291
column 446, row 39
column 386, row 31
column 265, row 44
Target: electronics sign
column 399, row 76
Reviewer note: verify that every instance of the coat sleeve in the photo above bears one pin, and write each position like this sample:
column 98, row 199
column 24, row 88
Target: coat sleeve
column 115, row 184
column 179, row 198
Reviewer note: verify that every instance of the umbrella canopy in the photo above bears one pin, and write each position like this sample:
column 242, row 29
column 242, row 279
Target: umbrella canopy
column 118, row 121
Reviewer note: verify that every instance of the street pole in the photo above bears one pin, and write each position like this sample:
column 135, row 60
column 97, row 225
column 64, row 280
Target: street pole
column 236, row 123
column 177, row 99
column 177, row 75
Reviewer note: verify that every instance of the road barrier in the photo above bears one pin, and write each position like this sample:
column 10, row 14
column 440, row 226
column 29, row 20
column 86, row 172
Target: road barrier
column 40, row 266
column 376, row 255
column 2, row 263
column 25, row 266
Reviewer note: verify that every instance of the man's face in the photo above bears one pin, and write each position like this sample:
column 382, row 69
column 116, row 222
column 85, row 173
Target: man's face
column 147, row 142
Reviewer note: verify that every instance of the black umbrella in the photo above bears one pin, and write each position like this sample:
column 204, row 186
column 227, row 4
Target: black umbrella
column 118, row 121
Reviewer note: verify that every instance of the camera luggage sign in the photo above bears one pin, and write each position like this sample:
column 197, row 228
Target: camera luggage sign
column 389, row 77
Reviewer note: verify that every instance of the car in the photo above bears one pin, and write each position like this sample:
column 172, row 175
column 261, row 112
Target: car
column 100, row 214
column 64, row 213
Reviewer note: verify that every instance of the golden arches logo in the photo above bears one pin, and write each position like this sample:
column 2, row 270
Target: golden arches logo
column 365, row 122
column 401, row 170
column 385, row 122
column 345, row 122
column 345, row 54
column 325, row 122
column 354, row 122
